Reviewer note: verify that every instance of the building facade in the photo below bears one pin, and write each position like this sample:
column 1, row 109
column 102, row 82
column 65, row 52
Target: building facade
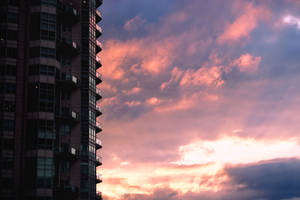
column 49, row 133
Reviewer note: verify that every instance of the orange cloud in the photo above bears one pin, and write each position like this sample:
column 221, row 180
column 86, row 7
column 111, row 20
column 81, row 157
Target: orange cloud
column 247, row 63
column 244, row 24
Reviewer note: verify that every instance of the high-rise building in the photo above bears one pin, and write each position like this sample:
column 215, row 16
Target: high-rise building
column 49, row 134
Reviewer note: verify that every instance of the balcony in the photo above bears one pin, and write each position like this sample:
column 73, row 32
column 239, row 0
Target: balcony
column 67, row 152
column 98, row 111
column 98, row 16
column 98, row 144
column 68, row 47
column 98, row 94
column 67, row 116
column 98, row 178
column 98, row 127
column 99, row 46
column 67, row 192
column 98, row 196
column 98, row 63
column 68, row 81
column 98, row 31
column 98, row 78
column 99, row 3
column 98, row 161
column 68, row 14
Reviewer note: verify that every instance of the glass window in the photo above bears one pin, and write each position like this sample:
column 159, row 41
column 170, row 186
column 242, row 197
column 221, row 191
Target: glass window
column 8, row 106
column 65, row 129
column 42, row 52
column 45, row 172
column 8, row 52
column 7, row 125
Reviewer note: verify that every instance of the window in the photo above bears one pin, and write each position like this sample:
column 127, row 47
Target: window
column 48, row 53
column 45, row 172
column 46, row 97
column 46, row 129
column 8, row 52
column 8, row 70
column 43, row 26
column 43, row 2
column 48, row 26
column 7, row 125
column 41, row 97
column 8, row 35
column 12, row 17
column 36, row 70
column 8, row 88
column 8, row 144
column 65, row 129
column 8, row 106
column 42, row 52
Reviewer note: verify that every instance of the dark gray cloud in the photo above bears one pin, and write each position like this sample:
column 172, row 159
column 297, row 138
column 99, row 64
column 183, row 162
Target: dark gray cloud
column 273, row 181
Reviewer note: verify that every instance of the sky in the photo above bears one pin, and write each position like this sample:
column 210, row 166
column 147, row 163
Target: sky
column 201, row 100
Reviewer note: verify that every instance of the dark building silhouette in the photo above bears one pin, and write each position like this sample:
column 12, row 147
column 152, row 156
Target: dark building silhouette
column 48, row 95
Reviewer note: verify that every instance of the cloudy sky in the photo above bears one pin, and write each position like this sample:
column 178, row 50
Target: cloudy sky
column 201, row 100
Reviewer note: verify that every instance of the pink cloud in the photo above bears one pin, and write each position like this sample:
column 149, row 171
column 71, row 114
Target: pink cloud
column 143, row 55
column 153, row 101
column 244, row 24
column 204, row 76
column 176, row 74
column 133, row 103
column 134, row 24
column 247, row 63
column 134, row 90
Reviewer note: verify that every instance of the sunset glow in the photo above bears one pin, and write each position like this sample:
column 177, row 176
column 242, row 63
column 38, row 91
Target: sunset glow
column 201, row 100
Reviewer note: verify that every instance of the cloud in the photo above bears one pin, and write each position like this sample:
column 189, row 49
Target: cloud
column 292, row 20
column 241, row 150
column 203, row 77
column 247, row 63
column 134, row 24
column 279, row 179
column 244, row 24
column 134, row 90
column 132, row 103
column 153, row 101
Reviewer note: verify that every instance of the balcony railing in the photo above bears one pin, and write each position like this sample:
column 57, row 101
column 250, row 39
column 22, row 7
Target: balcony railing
column 99, row 46
column 98, row 111
column 98, row 196
column 99, row 31
column 68, row 14
column 98, row 127
column 98, row 16
column 98, row 143
column 67, row 192
column 98, row 63
column 68, row 81
column 99, row 3
column 68, row 47
column 98, row 160
column 69, row 117
column 98, row 94
column 67, row 152
column 98, row 178
column 98, row 78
